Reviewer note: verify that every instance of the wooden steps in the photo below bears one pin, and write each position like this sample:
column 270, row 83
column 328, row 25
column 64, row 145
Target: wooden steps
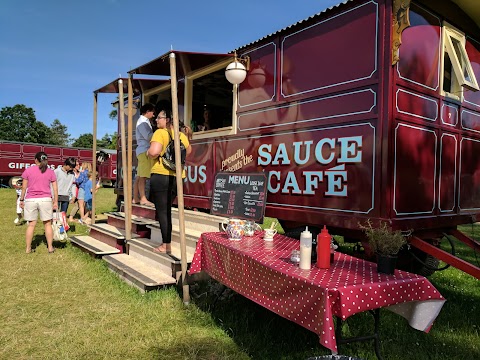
column 92, row 246
column 199, row 221
column 142, row 211
column 137, row 273
column 142, row 249
column 191, row 236
column 100, row 218
column 110, row 235
column 134, row 260
column 139, row 224
column 193, row 219
column 135, row 219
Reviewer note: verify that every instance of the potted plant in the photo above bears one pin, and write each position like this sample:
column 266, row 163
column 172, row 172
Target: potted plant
column 385, row 243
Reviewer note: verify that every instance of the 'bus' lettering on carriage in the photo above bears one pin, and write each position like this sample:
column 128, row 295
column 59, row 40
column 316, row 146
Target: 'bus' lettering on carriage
column 196, row 173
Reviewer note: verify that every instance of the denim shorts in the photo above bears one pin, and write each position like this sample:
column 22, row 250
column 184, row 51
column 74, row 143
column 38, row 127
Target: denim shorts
column 81, row 194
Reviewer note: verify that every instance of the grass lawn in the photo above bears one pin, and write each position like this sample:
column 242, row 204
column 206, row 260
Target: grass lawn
column 69, row 306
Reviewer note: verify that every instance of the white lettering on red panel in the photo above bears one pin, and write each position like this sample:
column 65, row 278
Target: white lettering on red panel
column 324, row 152
column 15, row 165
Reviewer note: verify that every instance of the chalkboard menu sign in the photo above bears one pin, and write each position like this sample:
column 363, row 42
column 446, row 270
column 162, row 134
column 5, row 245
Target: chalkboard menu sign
column 240, row 195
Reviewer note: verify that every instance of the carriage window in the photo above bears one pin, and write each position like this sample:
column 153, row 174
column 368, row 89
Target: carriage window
column 211, row 102
column 457, row 69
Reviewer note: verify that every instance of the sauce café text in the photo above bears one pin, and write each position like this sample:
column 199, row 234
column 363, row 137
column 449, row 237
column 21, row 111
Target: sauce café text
column 327, row 151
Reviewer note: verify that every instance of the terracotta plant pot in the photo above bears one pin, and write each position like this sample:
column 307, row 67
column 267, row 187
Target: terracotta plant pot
column 386, row 263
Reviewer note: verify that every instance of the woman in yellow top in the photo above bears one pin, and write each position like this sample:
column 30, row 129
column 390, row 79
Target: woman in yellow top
column 163, row 187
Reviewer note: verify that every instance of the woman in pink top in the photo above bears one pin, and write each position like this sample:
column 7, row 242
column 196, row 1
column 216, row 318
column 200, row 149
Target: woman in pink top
column 36, row 198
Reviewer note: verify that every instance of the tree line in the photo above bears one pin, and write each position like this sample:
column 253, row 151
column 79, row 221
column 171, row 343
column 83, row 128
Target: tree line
column 18, row 123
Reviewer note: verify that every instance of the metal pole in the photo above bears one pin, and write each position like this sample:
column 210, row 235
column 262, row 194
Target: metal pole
column 124, row 145
column 94, row 154
column 128, row 192
column 181, row 215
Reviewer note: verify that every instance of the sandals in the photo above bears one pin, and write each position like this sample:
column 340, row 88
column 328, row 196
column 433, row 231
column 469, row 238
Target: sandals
column 161, row 251
column 51, row 252
column 158, row 251
column 148, row 203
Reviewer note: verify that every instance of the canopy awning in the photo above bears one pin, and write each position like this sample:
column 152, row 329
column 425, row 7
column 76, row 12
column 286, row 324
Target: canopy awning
column 186, row 63
column 139, row 86
column 471, row 7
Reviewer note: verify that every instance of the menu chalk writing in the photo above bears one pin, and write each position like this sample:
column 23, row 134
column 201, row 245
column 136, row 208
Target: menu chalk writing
column 240, row 195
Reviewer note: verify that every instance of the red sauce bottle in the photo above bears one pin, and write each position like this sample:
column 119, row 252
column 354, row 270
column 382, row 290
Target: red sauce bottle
column 323, row 249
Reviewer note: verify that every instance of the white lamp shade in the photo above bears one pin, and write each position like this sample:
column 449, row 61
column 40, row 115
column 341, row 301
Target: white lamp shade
column 134, row 110
column 235, row 72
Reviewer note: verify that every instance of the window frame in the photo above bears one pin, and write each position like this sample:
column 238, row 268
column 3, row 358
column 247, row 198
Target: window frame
column 156, row 90
column 188, row 96
column 449, row 35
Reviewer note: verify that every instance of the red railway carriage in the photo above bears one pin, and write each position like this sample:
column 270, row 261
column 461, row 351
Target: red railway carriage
column 367, row 110
column 16, row 157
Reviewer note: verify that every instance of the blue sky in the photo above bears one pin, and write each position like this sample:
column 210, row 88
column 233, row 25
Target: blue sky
column 55, row 53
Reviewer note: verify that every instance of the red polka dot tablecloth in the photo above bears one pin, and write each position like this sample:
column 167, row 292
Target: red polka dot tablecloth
column 262, row 271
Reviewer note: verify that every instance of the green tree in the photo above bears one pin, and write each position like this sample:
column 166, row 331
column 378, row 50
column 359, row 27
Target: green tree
column 113, row 114
column 84, row 140
column 113, row 146
column 108, row 141
column 39, row 133
column 18, row 123
column 60, row 136
column 104, row 142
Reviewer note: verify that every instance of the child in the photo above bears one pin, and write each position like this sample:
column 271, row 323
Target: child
column 81, row 181
column 74, row 197
column 18, row 189
column 88, row 197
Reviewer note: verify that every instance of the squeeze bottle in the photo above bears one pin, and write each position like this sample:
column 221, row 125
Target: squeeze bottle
column 305, row 249
column 323, row 249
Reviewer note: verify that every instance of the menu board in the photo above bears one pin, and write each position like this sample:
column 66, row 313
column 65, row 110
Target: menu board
column 240, row 195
